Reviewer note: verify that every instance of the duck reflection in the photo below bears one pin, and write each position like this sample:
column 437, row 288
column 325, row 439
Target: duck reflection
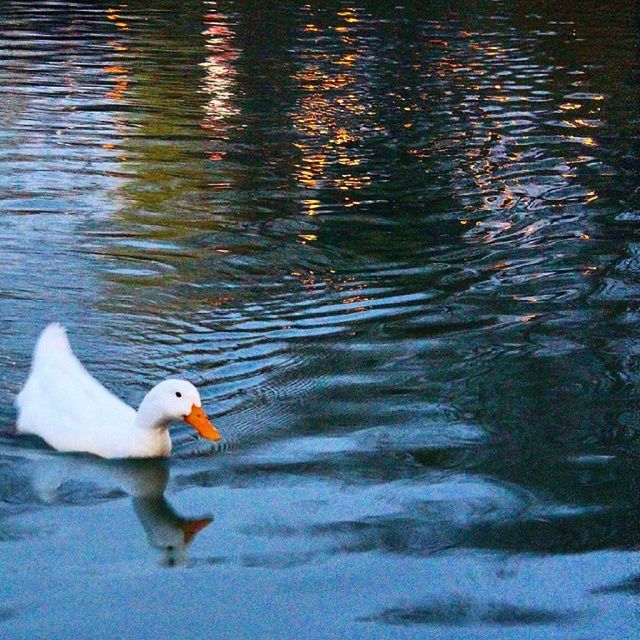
column 165, row 529
column 144, row 480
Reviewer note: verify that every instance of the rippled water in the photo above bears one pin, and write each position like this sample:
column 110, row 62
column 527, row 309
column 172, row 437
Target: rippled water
column 397, row 245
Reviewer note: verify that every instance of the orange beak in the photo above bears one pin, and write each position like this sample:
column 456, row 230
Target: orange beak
column 199, row 421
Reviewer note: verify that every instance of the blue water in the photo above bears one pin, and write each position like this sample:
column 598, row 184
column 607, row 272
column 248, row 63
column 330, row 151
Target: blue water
column 396, row 246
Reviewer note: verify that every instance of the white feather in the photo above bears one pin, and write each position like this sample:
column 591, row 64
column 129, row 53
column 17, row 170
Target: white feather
column 66, row 406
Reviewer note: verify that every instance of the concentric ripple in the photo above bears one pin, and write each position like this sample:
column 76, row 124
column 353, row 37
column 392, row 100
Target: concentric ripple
column 397, row 247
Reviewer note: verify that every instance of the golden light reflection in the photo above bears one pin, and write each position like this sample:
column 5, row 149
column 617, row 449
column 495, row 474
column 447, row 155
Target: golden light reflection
column 220, row 84
column 330, row 113
column 311, row 206
column 570, row 106
column 347, row 60
column 587, row 141
column 114, row 15
column 119, row 73
column 119, row 89
column 117, row 46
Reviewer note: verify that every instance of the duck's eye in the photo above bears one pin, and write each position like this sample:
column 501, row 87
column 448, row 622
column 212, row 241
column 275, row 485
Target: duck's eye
column 178, row 394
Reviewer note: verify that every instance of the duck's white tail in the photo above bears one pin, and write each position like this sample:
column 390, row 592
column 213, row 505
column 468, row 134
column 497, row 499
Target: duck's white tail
column 50, row 346
column 52, row 340
column 65, row 405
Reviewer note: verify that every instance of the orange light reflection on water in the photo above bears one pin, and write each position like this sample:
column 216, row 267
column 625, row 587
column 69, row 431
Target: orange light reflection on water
column 119, row 73
column 220, row 83
column 329, row 115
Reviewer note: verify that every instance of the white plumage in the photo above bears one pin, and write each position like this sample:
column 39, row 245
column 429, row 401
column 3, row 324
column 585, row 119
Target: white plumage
column 66, row 406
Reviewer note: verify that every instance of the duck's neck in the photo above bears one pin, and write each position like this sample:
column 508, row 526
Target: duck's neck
column 151, row 417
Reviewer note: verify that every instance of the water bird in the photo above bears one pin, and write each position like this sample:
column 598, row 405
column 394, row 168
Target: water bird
column 70, row 410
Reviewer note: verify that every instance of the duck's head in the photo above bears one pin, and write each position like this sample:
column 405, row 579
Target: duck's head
column 176, row 400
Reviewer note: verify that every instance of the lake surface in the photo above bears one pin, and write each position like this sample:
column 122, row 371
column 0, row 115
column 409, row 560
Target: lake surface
column 397, row 246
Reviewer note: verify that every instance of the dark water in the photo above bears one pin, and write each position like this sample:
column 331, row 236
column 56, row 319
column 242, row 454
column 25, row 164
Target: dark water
column 397, row 245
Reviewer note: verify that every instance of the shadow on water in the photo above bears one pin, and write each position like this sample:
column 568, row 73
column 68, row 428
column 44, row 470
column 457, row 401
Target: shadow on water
column 458, row 612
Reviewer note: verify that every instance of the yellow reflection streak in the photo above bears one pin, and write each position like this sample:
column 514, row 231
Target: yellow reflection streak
column 328, row 117
column 120, row 74
column 221, row 77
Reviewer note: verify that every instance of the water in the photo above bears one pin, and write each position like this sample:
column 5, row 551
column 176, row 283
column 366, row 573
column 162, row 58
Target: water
column 397, row 247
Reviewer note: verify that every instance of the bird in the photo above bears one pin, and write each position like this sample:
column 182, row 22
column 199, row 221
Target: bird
column 62, row 403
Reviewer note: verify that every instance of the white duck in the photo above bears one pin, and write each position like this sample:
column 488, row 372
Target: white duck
column 69, row 409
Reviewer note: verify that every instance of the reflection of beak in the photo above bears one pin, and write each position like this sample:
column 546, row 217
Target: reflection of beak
column 191, row 527
column 199, row 421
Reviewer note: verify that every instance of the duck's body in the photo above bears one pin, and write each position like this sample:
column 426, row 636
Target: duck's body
column 68, row 408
